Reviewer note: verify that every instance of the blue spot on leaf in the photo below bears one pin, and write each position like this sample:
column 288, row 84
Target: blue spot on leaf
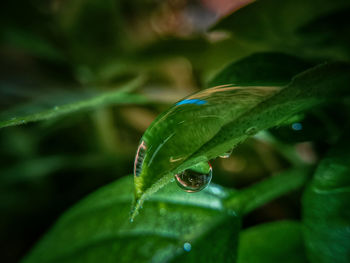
column 297, row 126
column 193, row 101
column 187, row 247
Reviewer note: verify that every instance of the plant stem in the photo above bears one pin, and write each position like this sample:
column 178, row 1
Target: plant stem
column 248, row 199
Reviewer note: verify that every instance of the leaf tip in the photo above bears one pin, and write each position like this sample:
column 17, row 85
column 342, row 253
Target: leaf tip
column 135, row 207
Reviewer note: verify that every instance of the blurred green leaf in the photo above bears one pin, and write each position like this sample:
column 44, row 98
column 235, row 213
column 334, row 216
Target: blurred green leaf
column 326, row 213
column 328, row 120
column 34, row 112
column 272, row 243
column 261, row 69
column 250, row 198
column 32, row 43
column 91, row 30
column 228, row 115
column 175, row 227
column 329, row 33
column 273, row 25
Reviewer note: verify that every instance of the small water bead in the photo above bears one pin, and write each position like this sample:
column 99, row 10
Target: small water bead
column 251, row 131
column 195, row 179
column 226, row 154
column 187, row 247
column 297, row 126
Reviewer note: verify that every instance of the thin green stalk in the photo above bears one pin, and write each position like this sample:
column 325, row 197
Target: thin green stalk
column 248, row 199
column 114, row 97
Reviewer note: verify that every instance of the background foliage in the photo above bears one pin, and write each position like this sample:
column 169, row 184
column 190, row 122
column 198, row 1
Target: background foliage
column 82, row 80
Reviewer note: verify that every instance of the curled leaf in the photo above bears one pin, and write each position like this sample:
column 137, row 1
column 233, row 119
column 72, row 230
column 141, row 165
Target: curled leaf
column 209, row 123
column 326, row 216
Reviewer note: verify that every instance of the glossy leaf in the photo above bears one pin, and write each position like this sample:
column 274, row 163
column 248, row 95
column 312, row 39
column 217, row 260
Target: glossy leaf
column 33, row 112
column 213, row 121
column 174, row 227
column 326, row 213
column 273, row 242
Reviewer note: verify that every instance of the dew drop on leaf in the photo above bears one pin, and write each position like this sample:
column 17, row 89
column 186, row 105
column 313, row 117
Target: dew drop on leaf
column 226, row 154
column 251, row 131
column 187, row 247
column 193, row 180
column 297, row 126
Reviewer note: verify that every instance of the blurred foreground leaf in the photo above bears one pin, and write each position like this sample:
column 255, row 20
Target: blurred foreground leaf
column 272, row 243
column 326, row 210
column 29, row 113
column 175, row 227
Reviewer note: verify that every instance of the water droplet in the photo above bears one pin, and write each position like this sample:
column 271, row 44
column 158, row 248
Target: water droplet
column 56, row 108
column 226, row 154
column 231, row 212
column 251, row 131
column 297, row 126
column 140, row 156
column 131, row 220
column 187, row 247
column 196, row 178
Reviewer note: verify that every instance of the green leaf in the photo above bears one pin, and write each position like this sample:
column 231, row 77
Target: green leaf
column 246, row 200
column 329, row 33
column 326, row 213
column 213, row 121
column 99, row 228
column 273, row 25
column 172, row 223
column 272, row 243
column 34, row 112
column 261, row 69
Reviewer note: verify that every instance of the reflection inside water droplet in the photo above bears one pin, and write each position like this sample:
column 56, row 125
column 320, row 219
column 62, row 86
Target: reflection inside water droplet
column 251, row 131
column 195, row 179
column 226, row 154
column 140, row 156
